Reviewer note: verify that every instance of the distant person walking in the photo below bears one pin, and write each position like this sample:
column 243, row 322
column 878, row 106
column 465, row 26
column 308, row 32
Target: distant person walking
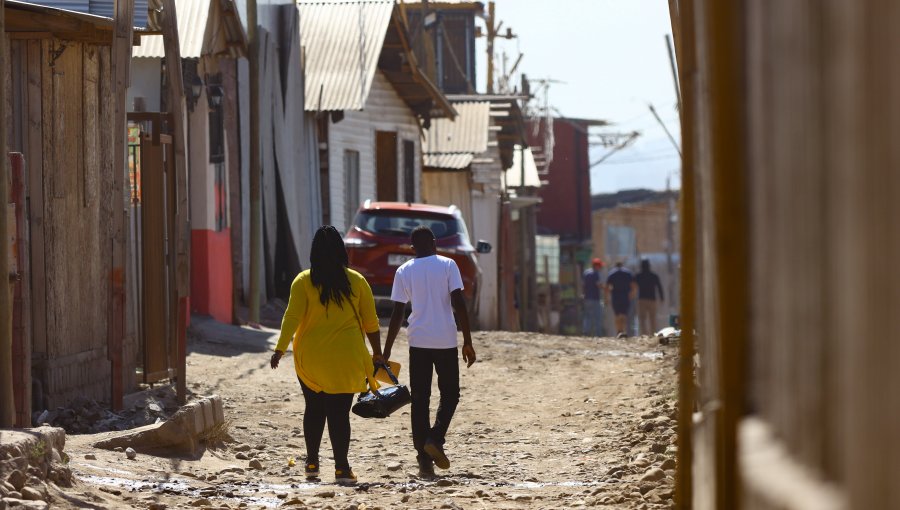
column 620, row 287
column 329, row 303
column 648, row 283
column 592, row 285
column 433, row 284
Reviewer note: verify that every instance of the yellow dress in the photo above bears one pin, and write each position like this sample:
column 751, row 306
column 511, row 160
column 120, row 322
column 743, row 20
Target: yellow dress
column 330, row 354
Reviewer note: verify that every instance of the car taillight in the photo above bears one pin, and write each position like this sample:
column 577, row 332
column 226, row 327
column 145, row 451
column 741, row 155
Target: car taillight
column 355, row 242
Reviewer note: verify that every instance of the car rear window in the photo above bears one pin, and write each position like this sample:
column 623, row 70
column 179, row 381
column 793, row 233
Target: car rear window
column 396, row 224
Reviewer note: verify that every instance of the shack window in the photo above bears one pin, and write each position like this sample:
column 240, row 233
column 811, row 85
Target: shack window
column 216, row 135
column 351, row 185
column 409, row 171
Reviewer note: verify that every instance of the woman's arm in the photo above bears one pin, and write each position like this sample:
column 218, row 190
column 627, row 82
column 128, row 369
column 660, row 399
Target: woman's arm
column 291, row 320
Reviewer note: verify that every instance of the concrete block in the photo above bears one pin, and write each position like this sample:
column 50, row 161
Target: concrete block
column 208, row 417
column 180, row 435
column 218, row 410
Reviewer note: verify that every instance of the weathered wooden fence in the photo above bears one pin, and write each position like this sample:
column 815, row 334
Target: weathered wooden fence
column 791, row 116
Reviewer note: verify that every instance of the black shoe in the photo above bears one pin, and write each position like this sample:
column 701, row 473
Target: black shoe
column 436, row 452
column 426, row 468
column 345, row 477
column 312, row 469
column 621, row 335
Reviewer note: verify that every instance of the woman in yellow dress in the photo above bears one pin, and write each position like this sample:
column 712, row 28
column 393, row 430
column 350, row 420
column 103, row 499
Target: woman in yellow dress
column 329, row 303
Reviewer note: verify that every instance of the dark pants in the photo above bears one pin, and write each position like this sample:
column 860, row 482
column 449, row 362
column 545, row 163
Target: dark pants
column 423, row 363
column 335, row 409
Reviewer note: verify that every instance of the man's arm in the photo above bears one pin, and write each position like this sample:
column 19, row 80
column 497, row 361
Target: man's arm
column 394, row 328
column 660, row 287
column 375, row 341
column 462, row 315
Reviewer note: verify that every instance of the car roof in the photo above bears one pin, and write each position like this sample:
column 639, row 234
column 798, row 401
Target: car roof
column 409, row 206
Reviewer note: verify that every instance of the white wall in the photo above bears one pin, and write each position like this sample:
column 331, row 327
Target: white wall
column 384, row 111
column 485, row 225
column 145, row 82
column 201, row 174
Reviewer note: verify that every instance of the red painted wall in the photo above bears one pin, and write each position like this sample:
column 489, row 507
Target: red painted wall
column 566, row 206
column 211, row 277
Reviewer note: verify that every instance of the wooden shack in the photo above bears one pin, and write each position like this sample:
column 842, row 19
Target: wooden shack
column 60, row 117
column 790, row 235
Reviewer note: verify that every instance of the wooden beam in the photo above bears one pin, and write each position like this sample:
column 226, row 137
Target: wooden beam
column 687, row 67
column 255, row 170
column 169, row 25
column 17, row 21
column 724, row 66
column 7, row 398
column 123, row 12
column 28, row 35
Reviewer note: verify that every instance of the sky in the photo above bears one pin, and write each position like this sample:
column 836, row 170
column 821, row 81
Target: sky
column 612, row 57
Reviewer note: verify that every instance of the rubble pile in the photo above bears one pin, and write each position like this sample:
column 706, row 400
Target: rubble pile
column 87, row 416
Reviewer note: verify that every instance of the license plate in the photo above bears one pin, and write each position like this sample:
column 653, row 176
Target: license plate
column 397, row 259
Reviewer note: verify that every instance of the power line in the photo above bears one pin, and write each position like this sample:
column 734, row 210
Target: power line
column 640, row 160
column 661, row 123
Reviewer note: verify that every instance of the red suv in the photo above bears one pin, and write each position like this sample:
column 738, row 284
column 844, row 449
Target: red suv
column 378, row 243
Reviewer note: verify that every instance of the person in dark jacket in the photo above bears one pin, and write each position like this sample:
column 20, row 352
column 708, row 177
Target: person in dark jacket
column 592, row 285
column 620, row 290
column 648, row 284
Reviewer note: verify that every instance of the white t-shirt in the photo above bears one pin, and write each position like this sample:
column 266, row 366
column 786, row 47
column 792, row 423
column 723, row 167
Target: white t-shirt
column 428, row 282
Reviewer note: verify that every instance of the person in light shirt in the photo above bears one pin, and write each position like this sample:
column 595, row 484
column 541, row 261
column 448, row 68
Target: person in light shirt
column 433, row 285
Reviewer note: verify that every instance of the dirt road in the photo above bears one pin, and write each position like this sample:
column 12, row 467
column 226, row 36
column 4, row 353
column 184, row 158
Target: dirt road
column 544, row 422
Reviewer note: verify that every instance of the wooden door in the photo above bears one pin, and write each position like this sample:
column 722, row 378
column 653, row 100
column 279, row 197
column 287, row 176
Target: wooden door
column 386, row 165
column 155, row 238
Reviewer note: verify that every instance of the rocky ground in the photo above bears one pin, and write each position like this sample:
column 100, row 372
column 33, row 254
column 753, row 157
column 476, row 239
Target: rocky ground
column 545, row 422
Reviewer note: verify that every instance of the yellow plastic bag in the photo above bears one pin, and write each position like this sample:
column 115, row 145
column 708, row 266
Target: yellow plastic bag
column 382, row 376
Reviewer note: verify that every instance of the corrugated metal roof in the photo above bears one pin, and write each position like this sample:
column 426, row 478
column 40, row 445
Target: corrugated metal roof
column 437, row 4
column 192, row 16
column 468, row 133
column 447, row 161
column 97, row 7
column 514, row 173
column 342, row 41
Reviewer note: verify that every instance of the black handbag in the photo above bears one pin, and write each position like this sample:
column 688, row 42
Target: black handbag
column 384, row 401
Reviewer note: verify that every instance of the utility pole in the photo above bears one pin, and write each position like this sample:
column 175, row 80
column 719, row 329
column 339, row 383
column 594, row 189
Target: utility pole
column 255, row 171
column 674, row 70
column 493, row 29
column 7, row 399
column 491, row 32
column 119, row 72
column 169, row 25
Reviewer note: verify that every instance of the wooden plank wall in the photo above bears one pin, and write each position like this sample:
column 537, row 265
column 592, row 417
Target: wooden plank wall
column 62, row 127
column 76, row 234
column 442, row 187
column 820, row 111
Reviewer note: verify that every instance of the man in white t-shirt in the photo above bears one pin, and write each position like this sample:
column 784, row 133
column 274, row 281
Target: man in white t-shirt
column 433, row 284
